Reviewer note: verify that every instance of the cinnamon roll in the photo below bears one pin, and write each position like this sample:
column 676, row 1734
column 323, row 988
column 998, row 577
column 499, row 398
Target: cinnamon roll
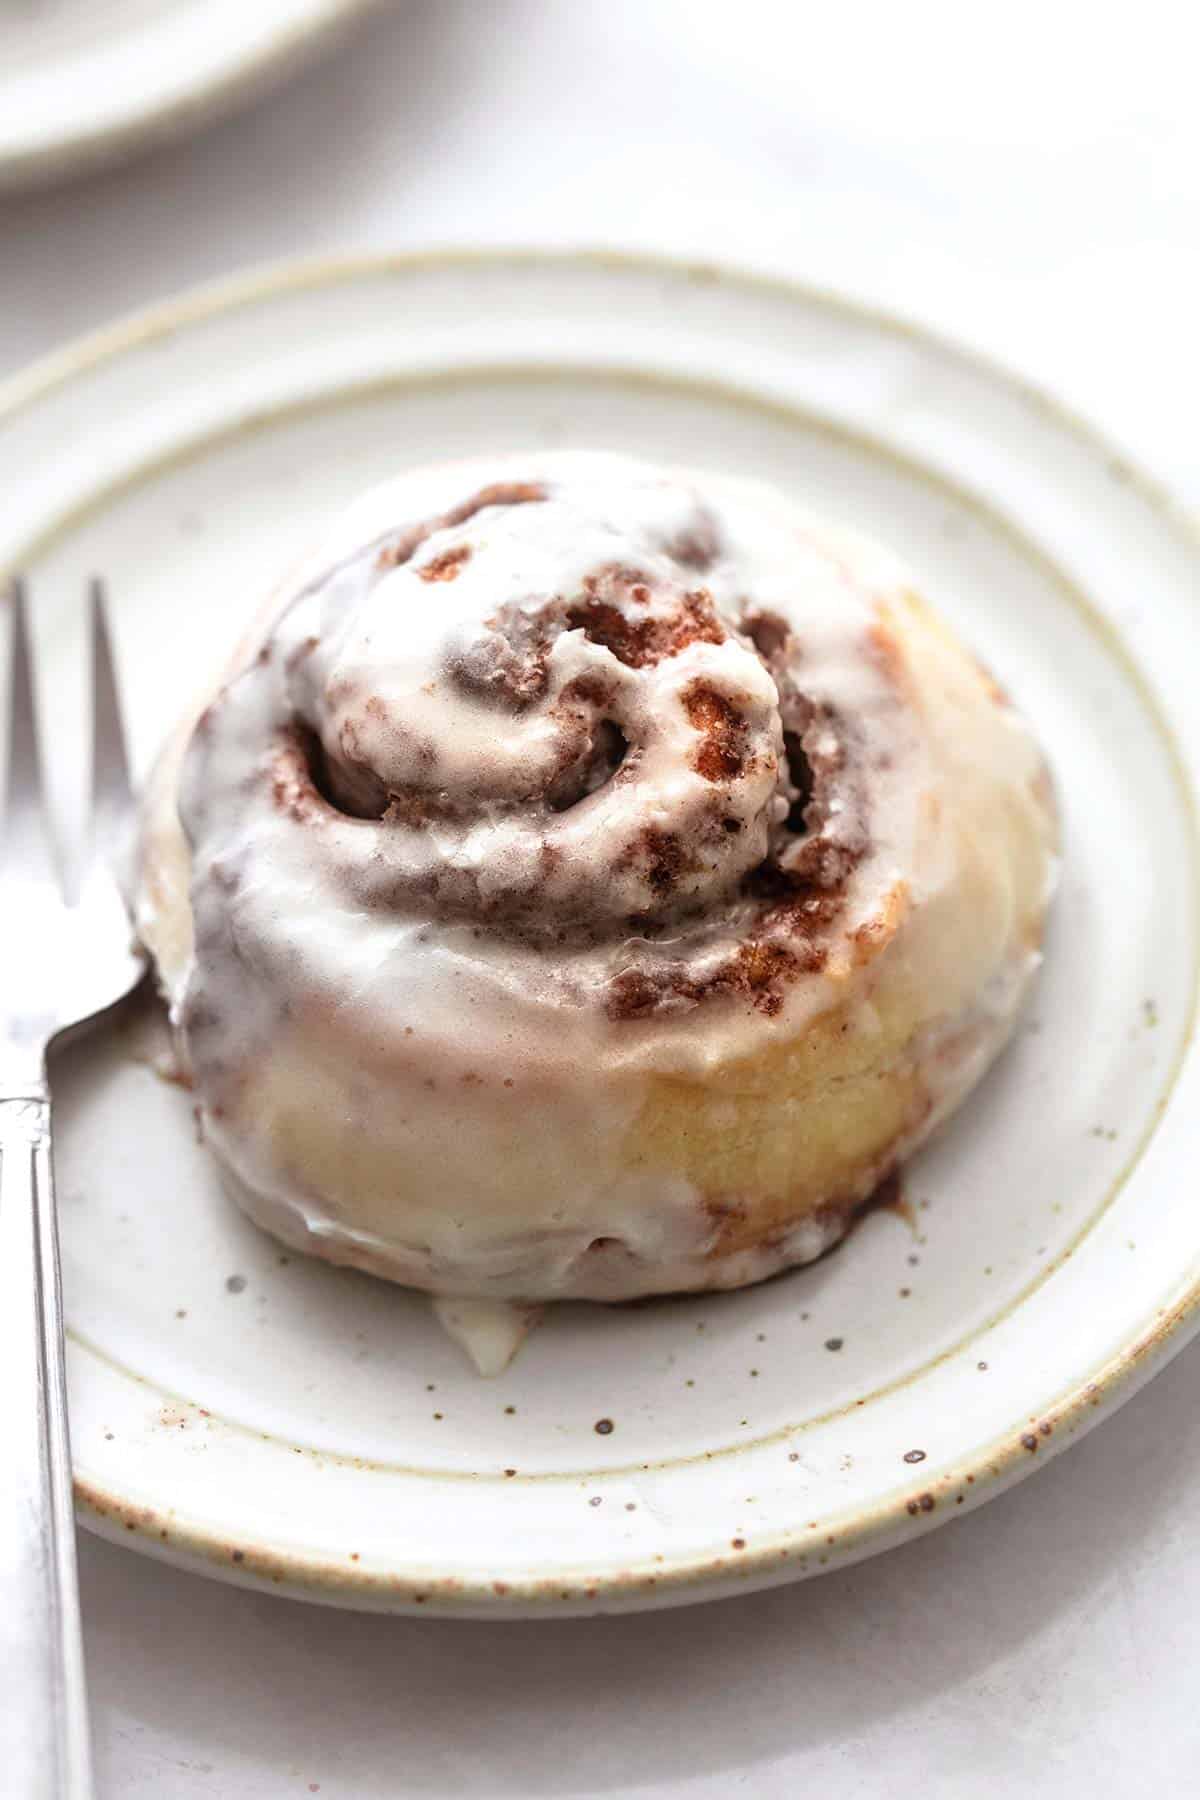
column 590, row 881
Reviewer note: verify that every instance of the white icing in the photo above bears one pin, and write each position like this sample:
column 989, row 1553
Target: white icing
column 447, row 979
column 490, row 1331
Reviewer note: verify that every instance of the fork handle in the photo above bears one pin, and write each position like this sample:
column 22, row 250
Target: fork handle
column 44, row 1750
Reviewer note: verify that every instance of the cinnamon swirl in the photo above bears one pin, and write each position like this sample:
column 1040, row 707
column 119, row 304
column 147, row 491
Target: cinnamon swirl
column 590, row 882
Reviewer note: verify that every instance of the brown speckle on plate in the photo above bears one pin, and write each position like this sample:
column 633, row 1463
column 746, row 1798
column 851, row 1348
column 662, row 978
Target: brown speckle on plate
column 914, row 1456
column 603, row 1427
column 834, row 1343
column 235, row 1284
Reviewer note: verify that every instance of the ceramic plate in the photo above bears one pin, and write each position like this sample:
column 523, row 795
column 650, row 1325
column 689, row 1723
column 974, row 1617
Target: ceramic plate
column 83, row 81
column 254, row 1415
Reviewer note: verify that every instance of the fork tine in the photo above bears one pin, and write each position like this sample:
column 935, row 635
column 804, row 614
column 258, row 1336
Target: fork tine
column 26, row 833
column 22, row 726
column 111, row 790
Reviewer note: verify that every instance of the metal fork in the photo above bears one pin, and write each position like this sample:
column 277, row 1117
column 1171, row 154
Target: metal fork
column 61, row 963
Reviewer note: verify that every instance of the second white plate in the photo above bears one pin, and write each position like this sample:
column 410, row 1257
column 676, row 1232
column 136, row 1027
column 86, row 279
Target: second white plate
column 274, row 1421
column 85, row 81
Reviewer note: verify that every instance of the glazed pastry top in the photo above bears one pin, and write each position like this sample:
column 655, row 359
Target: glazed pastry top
column 570, row 752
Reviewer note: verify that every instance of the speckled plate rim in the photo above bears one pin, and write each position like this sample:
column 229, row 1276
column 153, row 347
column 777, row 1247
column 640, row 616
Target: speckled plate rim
column 148, row 117
column 861, row 1530
column 850, row 1537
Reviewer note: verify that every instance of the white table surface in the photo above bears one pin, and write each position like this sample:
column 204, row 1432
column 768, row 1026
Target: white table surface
column 1026, row 177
